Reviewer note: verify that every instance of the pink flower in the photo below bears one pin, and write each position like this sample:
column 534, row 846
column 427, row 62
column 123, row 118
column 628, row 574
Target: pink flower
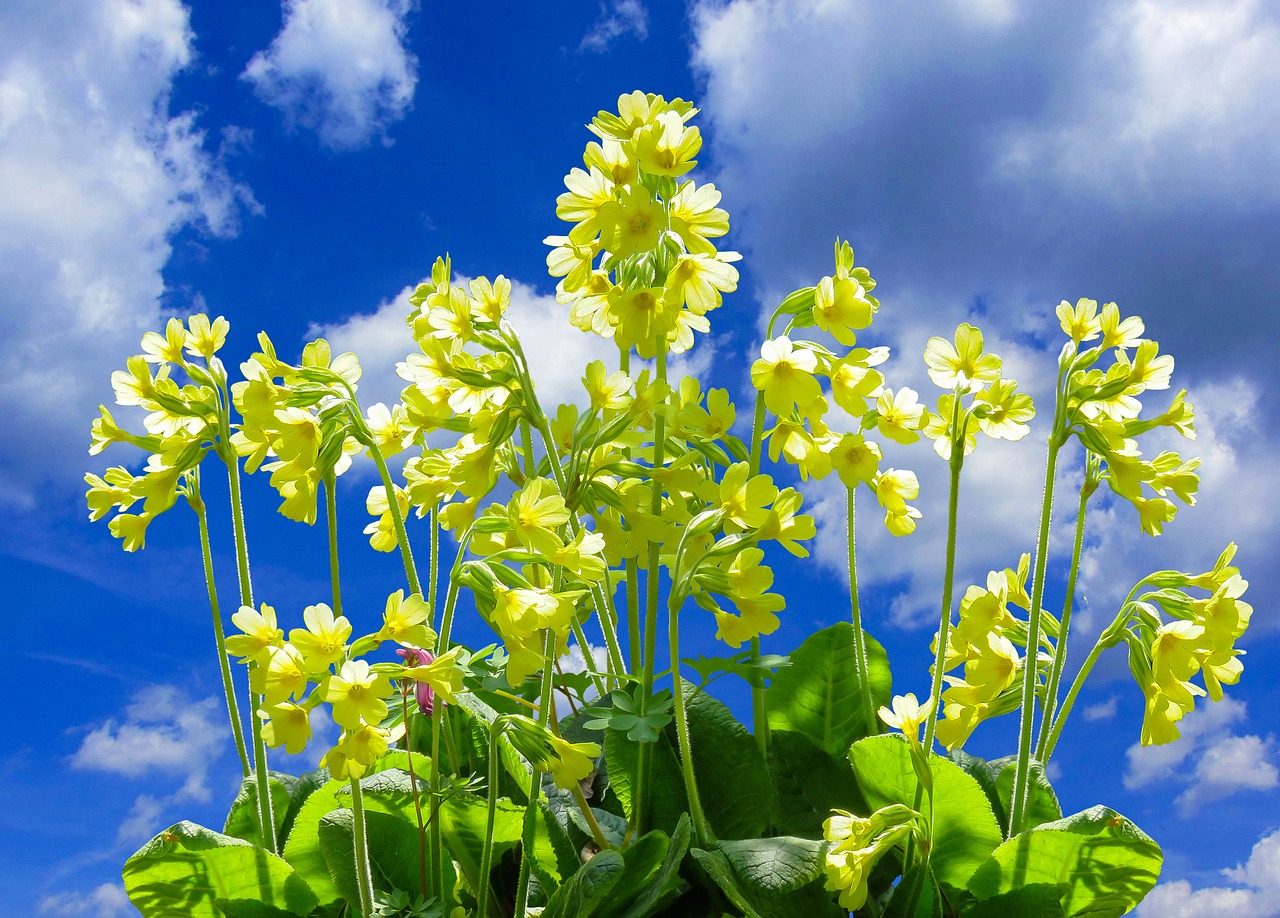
column 425, row 694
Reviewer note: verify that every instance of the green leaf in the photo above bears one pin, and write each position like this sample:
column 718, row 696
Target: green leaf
column 965, row 830
column 1104, row 862
column 667, row 800
column 733, row 780
column 584, row 892
column 818, row 695
column 242, row 818
column 916, row 896
column 302, row 849
column 512, row 761
column 1039, row 900
column 771, row 877
column 664, row 885
column 193, row 871
column 808, row 785
column 299, row 793
column 1042, row 802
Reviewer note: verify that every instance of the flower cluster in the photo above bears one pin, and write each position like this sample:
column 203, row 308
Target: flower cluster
column 856, row 843
column 1102, row 408
column 185, row 420
column 319, row 664
column 983, row 642
column 787, row 376
column 1200, row 636
column 638, row 265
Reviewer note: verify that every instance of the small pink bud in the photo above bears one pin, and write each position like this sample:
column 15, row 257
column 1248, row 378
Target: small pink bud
column 425, row 694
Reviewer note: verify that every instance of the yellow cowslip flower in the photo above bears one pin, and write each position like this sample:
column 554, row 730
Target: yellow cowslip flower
column 755, row 617
column 639, row 316
column 130, row 529
column 589, row 304
column 854, row 844
column 583, row 556
column 588, row 192
column 1159, row 718
column 404, row 621
column 635, row 110
column 667, row 146
column 1149, row 368
column 1081, row 321
column 631, row 223
column 745, row 498
column 1224, row 617
column 284, row 675
column 1016, row 582
column 205, row 338
column 607, row 391
column 699, row 280
column 908, row 715
column 937, row 428
column 1222, row 571
column 841, row 307
column 853, row 380
column 357, row 695
column 900, row 415
column 382, row 532
column 991, row 666
column 784, row 374
column 1153, row 513
column 786, row 528
column 615, row 160
column 961, row 367
column 571, row 260
column 490, row 301
column 363, row 746
column 959, row 721
column 1175, row 658
column 1116, row 333
column 1007, row 410
column 166, row 348
column 901, row 523
column 570, row 763
column 680, row 338
column 855, row 459
column 135, row 385
column 259, row 633
column 105, row 494
column 390, row 428
column 535, row 513
column 286, row 724
column 695, row 218
column 894, row 487
column 746, row 576
column 324, row 641
column 1172, row 474
column 457, row 516
column 443, row 676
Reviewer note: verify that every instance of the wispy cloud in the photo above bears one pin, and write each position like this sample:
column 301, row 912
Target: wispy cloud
column 1256, row 896
column 105, row 901
column 617, row 18
column 340, row 68
column 96, row 176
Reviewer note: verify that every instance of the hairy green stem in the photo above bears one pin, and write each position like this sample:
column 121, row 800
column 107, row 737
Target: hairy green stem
column 759, row 706
column 397, row 520
column 860, row 665
column 360, row 838
column 1060, row 650
column 1021, row 775
column 1070, row 700
column 331, row 515
column 529, row 835
column 219, row 634
column 486, row 851
column 701, row 828
column 424, row 877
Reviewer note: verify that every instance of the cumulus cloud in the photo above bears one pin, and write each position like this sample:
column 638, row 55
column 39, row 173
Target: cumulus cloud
column 1103, row 710
column 162, row 732
column 1259, row 897
column 105, row 901
column 1210, row 761
column 339, row 67
column 96, row 175
column 617, row 18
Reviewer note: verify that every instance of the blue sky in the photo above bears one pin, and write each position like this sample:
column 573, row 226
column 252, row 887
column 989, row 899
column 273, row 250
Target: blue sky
column 298, row 168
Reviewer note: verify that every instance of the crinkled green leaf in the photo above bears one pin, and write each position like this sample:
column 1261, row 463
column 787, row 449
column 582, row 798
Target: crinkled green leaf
column 916, row 896
column 1039, row 900
column 1104, row 862
column 666, row 796
column 733, row 780
column 808, row 785
column 818, row 695
column 584, row 892
column 771, row 877
column 193, row 871
column 965, row 829
column 242, row 818
column 664, row 885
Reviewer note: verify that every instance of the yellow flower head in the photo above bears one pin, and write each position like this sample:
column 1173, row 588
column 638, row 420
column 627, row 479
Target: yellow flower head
column 961, row 367
column 404, row 621
column 1080, row 322
column 908, row 715
column 259, row 633
column 324, row 641
column 784, row 374
column 900, row 415
column 630, row 223
column 286, row 724
column 840, row 306
column 667, row 146
column 357, row 695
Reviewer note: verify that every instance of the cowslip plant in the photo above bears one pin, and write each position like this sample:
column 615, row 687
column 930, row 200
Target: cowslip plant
column 498, row 781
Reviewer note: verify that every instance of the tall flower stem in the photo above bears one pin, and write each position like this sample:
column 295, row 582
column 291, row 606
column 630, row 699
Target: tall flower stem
column 535, row 785
column 486, row 851
column 759, row 707
column 1022, row 771
column 633, row 569
column 331, row 517
column 360, row 837
column 1060, row 650
column 266, row 818
column 1110, row 636
column 397, row 519
column 701, row 827
column 424, row 877
column 862, row 669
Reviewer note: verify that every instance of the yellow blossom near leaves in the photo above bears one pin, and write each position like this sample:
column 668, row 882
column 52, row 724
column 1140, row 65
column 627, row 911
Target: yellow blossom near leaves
column 900, row 415
column 855, row 459
column 324, row 640
column 907, row 715
column 783, row 526
column 745, row 498
column 615, row 160
column 630, row 223
column 443, row 674
column 382, row 532
column 695, row 218
column 588, row 191
column 286, row 724
column 166, row 348
column 391, row 428
column 285, row 675
column 405, row 621
column 570, row 762
column 535, row 513
column 699, row 280
column 784, row 373
column 667, row 146
column 570, row 260
column 130, row 529
column 259, row 633
column 853, row 381
column 1080, row 322
column 607, row 391
column 1005, row 410
column 357, row 695
column 841, row 307
column 1118, row 333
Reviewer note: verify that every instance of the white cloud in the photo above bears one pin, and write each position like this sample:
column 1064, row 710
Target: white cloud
column 96, row 175
column 1103, row 710
column 1210, row 760
column 618, row 18
column 339, row 67
column 1259, row 899
column 163, row 731
column 106, row 901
